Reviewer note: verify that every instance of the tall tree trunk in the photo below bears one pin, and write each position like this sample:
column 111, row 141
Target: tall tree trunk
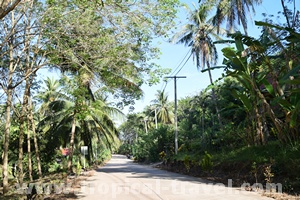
column 203, row 115
column 250, row 125
column 71, row 151
column 36, row 146
column 259, row 138
column 9, row 91
column 6, row 135
column 265, row 125
column 29, row 150
column 22, row 131
column 277, row 122
column 25, row 102
column 90, row 147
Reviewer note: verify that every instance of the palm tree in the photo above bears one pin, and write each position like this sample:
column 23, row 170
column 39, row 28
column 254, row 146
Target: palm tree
column 199, row 101
column 36, row 145
column 56, row 121
column 93, row 124
column 101, row 121
column 161, row 103
column 233, row 11
column 61, row 110
column 133, row 125
column 198, row 34
column 50, row 92
column 89, row 63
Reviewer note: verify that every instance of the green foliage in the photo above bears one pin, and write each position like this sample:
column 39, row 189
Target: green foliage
column 187, row 163
column 206, row 162
column 54, row 167
column 247, row 63
column 163, row 108
column 110, row 43
column 78, row 168
column 124, row 37
column 258, row 101
column 280, row 154
column 53, row 162
column 125, row 149
column 163, row 155
column 149, row 146
column 103, row 156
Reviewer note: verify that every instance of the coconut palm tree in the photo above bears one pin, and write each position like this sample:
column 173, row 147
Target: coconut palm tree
column 131, row 128
column 164, row 110
column 93, row 124
column 198, row 34
column 101, row 121
column 89, row 63
column 233, row 12
column 50, row 92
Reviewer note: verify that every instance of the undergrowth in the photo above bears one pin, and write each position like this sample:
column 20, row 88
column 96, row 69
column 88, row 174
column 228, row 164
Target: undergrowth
column 272, row 162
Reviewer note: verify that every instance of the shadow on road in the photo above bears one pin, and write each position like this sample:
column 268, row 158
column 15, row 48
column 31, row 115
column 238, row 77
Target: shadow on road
column 121, row 164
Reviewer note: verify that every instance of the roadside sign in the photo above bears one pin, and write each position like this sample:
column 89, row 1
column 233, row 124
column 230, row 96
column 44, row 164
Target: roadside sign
column 84, row 150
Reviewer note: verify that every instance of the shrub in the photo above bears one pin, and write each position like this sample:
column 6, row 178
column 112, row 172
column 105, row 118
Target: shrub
column 206, row 163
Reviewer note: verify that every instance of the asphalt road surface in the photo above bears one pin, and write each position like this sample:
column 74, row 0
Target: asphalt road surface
column 122, row 179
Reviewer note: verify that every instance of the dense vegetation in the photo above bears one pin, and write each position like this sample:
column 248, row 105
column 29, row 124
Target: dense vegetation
column 102, row 51
column 243, row 126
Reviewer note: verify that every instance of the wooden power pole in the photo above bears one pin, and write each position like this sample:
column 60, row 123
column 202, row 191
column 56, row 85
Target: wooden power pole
column 175, row 113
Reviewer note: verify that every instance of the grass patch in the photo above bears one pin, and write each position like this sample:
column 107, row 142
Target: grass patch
column 272, row 162
column 259, row 154
column 284, row 161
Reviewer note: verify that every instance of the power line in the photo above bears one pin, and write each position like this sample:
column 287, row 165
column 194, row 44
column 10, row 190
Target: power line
column 210, row 30
column 181, row 62
column 174, row 71
column 184, row 64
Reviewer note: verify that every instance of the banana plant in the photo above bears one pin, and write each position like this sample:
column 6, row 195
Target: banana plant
column 241, row 63
column 270, row 78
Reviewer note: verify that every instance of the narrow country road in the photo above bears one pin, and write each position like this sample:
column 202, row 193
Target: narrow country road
column 122, row 179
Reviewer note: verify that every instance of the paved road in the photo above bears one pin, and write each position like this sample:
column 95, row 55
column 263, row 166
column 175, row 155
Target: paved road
column 122, row 179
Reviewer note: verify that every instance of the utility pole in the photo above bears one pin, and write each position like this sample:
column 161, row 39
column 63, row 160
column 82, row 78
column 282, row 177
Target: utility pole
column 175, row 113
column 155, row 118
column 146, row 129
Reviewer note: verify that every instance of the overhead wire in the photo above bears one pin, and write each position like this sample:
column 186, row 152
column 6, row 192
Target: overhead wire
column 177, row 69
column 181, row 62
column 167, row 81
column 184, row 64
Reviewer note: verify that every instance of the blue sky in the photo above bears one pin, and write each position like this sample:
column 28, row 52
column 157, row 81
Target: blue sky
column 173, row 54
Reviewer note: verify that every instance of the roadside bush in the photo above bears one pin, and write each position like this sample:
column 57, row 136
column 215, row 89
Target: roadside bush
column 150, row 145
column 125, row 149
column 103, row 156
column 206, row 163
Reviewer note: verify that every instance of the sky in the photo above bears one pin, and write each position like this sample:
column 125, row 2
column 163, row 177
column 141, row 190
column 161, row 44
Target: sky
column 173, row 57
column 195, row 81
